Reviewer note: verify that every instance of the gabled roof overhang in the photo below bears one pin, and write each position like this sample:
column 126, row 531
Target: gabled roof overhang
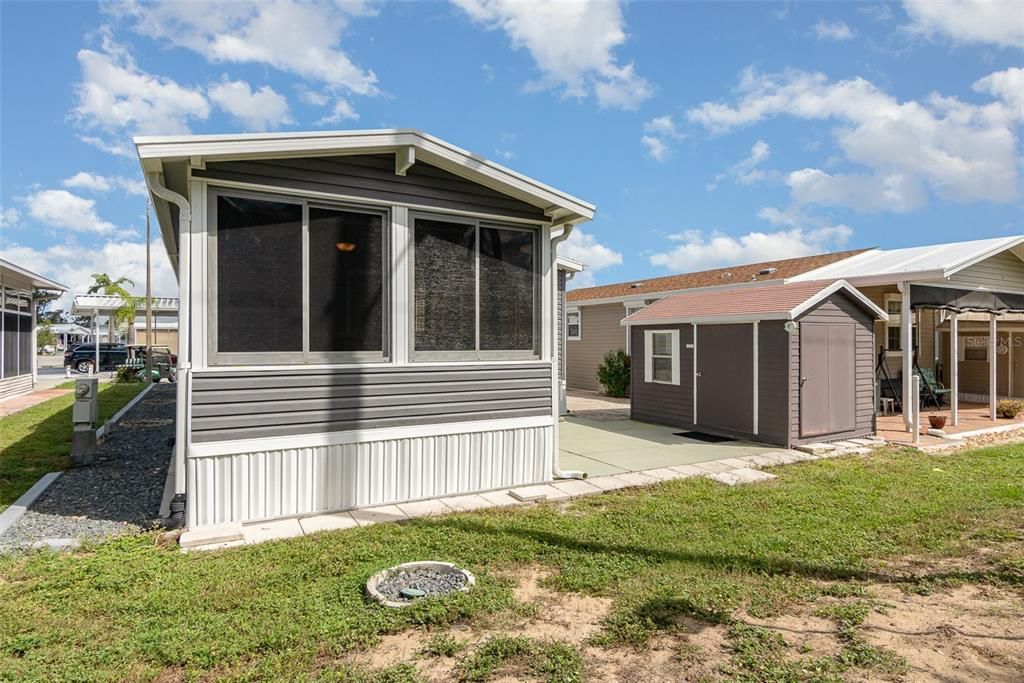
column 158, row 153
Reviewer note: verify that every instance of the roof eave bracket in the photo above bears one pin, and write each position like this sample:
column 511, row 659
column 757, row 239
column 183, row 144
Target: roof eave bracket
column 405, row 157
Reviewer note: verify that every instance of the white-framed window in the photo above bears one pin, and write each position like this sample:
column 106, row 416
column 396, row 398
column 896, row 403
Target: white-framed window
column 475, row 290
column 661, row 356
column 296, row 280
column 573, row 325
column 631, row 308
column 973, row 348
column 893, row 326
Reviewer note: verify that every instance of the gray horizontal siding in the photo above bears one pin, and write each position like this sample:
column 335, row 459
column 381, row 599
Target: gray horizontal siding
column 665, row 404
column 773, row 390
column 373, row 177
column 250, row 404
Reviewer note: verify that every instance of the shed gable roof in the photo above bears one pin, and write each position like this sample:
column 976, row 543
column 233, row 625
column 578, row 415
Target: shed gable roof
column 776, row 301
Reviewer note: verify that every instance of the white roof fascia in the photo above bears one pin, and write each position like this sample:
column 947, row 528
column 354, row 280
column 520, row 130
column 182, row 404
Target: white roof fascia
column 1010, row 243
column 822, row 273
column 556, row 204
column 571, row 265
column 34, row 279
column 832, row 289
column 706, row 319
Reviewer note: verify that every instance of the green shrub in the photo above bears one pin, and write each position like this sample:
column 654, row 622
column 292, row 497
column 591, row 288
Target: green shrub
column 1008, row 408
column 127, row 375
column 613, row 373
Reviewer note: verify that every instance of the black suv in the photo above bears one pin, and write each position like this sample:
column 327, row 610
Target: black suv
column 83, row 357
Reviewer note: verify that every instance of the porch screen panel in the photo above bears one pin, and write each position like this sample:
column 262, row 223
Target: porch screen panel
column 507, row 289
column 10, row 344
column 259, row 275
column 346, row 281
column 445, row 286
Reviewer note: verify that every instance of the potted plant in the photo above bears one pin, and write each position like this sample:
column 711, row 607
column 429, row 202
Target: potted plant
column 937, row 421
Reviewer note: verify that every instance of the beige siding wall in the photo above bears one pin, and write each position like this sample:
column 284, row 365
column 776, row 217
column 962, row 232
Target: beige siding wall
column 974, row 374
column 601, row 333
column 1003, row 272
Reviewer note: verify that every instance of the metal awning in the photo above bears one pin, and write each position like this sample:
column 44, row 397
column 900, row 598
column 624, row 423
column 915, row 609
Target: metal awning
column 102, row 304
column 964, row 300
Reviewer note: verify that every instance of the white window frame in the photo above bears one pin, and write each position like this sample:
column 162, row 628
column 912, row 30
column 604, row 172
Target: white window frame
column 649, row 356
column 304, row 356
column 538, row 287
column 631, row 308
column 579, row 324
column 895, row 321
column 962, row 348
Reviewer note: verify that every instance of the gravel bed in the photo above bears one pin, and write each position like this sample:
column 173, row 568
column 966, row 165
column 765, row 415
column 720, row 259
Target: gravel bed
column 120, row 494
column 430, row 581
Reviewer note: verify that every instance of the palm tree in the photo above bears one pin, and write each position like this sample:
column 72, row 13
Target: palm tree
column 124, row 315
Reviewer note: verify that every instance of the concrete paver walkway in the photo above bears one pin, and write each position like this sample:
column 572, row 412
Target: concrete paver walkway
column 16, row 404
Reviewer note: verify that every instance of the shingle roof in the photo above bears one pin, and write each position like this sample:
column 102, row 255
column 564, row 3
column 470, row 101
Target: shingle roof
column 751, row 302
column 785, row 268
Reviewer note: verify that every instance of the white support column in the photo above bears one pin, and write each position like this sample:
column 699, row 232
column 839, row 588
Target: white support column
column 954, row 369
column 35, row 342
column 906, row 344
column 992, row 363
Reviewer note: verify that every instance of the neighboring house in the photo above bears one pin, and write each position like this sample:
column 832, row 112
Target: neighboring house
column 567, row 268
column 777, row 363
column 593, row 314
column 970, row 293
column 20, row 290
column 165, row 333
column 366, row 317
column 165, row 313
column 70, row 334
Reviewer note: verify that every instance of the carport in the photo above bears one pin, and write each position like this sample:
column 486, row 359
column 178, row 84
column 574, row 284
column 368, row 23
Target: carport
column 781, row 363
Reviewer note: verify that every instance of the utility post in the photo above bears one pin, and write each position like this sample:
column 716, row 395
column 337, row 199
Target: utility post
column 149, row 302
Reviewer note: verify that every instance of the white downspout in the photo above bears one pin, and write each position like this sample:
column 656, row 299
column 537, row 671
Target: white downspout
column 556, row 471
column 184, row 376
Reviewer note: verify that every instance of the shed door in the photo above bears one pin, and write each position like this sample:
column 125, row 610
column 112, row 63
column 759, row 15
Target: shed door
column 725, row 377
column 828, row 380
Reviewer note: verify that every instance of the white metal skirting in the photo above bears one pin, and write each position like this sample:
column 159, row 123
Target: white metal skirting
column 15, row 386
column 295, row 481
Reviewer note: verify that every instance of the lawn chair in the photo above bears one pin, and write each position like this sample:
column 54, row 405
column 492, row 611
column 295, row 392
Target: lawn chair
column 933, row 388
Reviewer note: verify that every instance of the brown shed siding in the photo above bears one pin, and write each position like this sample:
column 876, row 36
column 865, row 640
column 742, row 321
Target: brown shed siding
column 773, row 383
column 601, row 332
column 373, row 176
column 666, row 404
column 838, row 308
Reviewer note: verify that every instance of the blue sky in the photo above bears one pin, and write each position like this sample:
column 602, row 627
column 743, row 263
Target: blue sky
column 706, row 133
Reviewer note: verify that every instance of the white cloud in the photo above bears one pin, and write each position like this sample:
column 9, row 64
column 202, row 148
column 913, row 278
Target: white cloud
column 698, row 251
column 581, row 246
column 746, row 171
column 258, row 111
column 995, row 22
column 1006, row 85
column 341, row 112
column 9, row 217
column 656, row 148
column 834, row 30
column 61, row 209
column 317, row 99
column 573, row 44
column 72, row 265
column 658, row 133
column 116, row 96
column 958, row 151
column 108, row 146
column 98, row 183
column 303, row 38
column 896, row 192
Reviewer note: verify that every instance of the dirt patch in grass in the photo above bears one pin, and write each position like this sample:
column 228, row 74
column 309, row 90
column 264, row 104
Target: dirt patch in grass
column 968, row 633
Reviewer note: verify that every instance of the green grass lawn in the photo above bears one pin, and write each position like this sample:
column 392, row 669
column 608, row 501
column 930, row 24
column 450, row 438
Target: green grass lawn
column 134, row 609
column 37, row 440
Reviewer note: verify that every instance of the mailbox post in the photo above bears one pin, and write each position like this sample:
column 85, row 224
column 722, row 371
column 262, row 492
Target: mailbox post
column 84, row 413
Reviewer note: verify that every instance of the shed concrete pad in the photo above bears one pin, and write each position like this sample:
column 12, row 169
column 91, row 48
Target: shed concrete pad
column 272, row 530
column 329, row 522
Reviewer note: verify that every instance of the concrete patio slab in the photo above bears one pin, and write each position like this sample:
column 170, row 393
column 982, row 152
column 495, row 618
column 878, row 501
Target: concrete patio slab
column 384, row 513
column 466, row 503
column 576, row 487
column 259, row 532
column 330, row 522
column 425, row 508
column 208, row 535
column 500, row 498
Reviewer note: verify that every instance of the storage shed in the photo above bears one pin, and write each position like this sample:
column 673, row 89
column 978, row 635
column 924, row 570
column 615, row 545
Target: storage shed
column 785, row 363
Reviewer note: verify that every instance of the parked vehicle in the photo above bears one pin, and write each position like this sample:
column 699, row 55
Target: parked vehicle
column 82, row 358
column 48, row 350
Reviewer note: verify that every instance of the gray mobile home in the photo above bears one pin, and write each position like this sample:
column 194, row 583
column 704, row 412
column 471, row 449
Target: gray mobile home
column 776, row 363
column 366, row 317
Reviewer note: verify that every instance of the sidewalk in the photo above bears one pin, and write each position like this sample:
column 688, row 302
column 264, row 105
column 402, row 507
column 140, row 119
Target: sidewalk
column 16, row 404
